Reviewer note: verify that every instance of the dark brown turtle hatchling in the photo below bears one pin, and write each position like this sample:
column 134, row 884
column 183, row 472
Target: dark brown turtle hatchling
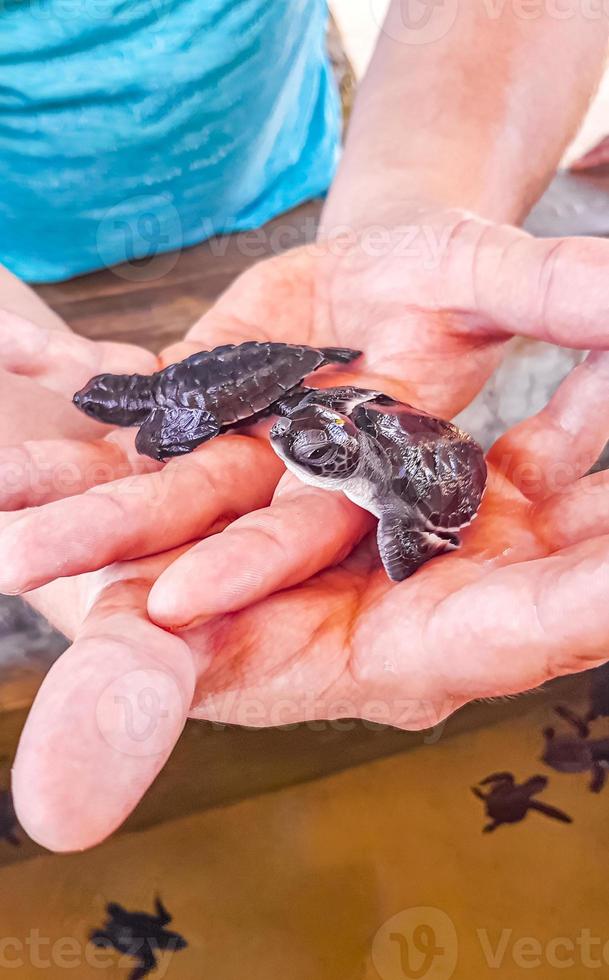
column 421, row 476
column 194, row 400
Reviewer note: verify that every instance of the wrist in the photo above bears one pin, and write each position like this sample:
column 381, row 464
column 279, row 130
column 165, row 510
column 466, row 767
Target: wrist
column 387, row 194
column 477, row 121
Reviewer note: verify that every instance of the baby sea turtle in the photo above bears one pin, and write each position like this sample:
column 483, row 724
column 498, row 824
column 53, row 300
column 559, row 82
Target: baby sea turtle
column 194, row 400
column 421, row 476
column 509, row 802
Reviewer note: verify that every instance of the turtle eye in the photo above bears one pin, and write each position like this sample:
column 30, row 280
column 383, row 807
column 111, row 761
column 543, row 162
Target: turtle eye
column 310, row 446
column 318, row 454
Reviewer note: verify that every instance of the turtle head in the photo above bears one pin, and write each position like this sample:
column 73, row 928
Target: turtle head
column 317, row 444
column 114, row 398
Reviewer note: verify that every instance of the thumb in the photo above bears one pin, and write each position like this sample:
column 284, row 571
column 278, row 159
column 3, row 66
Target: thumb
column 61, row 360
column 104, row 723
column 552, row 289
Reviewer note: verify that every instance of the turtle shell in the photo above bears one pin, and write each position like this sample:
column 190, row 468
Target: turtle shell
column 234, row 383
column 435, row 468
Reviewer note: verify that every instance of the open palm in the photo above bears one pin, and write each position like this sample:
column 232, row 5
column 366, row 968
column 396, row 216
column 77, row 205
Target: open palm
column 522, row 602
column 344, row 639
column 431, row 306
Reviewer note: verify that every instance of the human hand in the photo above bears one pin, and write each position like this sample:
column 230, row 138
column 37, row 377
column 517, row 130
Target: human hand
column 432, row 318
column 432, row 332
column 39, row 367
column 523, row 601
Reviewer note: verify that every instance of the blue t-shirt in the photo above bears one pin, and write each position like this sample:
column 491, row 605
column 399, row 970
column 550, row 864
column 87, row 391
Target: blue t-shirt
column 132, row 127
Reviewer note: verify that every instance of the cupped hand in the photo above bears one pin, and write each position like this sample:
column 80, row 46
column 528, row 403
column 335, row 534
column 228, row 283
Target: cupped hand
column 523, row 601
column 431, row 302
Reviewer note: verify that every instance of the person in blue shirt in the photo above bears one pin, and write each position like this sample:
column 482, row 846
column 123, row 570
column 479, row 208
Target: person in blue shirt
column 126, row 126
column 222, row 114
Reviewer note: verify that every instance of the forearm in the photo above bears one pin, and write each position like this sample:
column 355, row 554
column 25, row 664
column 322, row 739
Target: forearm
column 17, row 297
column 477, row 119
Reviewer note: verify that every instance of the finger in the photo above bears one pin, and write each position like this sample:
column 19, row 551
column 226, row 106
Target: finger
column 552, row 289
column 103, row 723
column 524, row 623
column 302, row 532
column 598, row 156
column 139, row 515
column 579, row 512
column 40, row 471
column 28, row 411
column 548, row 452
column 16, row 296
column 61, row 360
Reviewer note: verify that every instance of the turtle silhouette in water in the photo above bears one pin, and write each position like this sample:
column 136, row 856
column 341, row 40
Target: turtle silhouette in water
column 194, row 400
column 139, row 935
column 422, row 477
column 509, row 802
column 577, row 752
column 599, row 694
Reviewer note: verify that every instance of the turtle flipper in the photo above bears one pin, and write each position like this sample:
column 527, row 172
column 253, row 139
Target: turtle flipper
column 339, row 355
column 162, row 914
column 404, row 548
column 599, row 777
column 175, row 431
column 342, row 399
column 550, row 811
column 148, row 962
